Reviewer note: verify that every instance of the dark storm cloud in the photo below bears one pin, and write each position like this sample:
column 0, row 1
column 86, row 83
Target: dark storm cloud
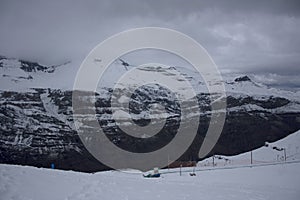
column 248, row 36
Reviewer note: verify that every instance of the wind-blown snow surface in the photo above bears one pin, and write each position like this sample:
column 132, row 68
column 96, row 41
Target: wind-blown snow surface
column 276, row 181
column 268, row 182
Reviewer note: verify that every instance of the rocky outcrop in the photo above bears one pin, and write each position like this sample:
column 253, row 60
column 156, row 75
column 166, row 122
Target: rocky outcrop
column 242, row 78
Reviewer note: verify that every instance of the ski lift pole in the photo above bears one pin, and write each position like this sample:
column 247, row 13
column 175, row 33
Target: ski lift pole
column 168, row 163
column 180, row 170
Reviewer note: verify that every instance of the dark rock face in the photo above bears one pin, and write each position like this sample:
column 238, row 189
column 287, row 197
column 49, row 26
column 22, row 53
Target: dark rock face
column 36, row 128
column 246, row 131
column 32, row 66
column 30, row 135
column 269, row 103
column 241, row 79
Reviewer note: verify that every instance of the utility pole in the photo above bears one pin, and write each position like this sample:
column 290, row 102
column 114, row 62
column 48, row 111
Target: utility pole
column 251, row 158
column 180, row 170
column 168, row 163
column 213, row 160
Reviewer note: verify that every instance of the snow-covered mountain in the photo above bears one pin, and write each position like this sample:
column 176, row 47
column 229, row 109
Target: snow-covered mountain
column 36, row 122
column 20, row 75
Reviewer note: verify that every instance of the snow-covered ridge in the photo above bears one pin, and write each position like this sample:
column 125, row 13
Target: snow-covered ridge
column 19, row 74
column 284, row 150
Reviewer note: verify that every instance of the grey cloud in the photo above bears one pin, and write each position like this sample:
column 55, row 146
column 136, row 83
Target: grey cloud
column 282, row 81
column 247, row 36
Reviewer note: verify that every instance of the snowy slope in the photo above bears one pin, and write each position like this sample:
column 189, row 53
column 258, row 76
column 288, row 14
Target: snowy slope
column 270, row 182
column 263, row 155
column 278, row 181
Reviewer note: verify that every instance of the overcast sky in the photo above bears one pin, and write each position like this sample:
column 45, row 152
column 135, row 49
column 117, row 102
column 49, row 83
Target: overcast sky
column 257, row 37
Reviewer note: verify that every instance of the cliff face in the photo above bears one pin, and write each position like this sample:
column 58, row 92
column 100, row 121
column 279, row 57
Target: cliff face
column 36, row 125
column 36, row 128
